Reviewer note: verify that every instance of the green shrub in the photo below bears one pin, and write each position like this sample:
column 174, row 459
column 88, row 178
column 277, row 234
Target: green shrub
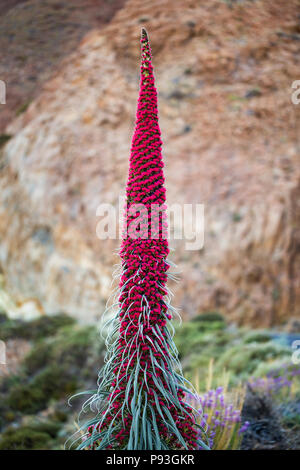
column 244, row 359
column 53, row 369
column 290, row 414
column 50, row 427
column 209, row 317
column 72, row 347
column 35, row 329
column 33, row 435
column 53, row 382
column 257, row 337
column 195, row 337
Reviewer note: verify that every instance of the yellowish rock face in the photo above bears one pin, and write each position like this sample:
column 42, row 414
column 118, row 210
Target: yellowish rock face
column 230, row 141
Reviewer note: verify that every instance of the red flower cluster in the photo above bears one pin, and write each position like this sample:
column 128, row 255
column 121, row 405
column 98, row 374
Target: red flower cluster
column 145, row 399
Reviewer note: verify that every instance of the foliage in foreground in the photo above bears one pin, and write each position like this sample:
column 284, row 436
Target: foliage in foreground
column 79, row 352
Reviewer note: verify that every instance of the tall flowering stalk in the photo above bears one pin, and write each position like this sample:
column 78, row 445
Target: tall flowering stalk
column 140, row 398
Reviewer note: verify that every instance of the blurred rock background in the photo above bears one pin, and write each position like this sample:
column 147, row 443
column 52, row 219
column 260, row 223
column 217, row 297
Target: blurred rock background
column 224, row 71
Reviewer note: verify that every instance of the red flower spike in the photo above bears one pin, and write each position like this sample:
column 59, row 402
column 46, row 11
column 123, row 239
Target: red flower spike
column 140, row 398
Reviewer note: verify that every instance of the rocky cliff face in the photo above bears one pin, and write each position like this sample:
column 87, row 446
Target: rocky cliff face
column 224, row 75
column 35, row 37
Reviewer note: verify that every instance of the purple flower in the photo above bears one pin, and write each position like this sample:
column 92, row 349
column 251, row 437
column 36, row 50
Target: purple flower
column 244, row 427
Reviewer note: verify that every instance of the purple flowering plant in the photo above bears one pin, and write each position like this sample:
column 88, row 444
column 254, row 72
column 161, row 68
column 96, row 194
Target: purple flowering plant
column 280, row 383
column 220, row 409
column 220, row 415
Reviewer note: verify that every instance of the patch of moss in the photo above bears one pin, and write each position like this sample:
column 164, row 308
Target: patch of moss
column 21, row 109
column 233, row 97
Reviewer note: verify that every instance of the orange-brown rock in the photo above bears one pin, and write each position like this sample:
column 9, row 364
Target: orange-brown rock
column 231, row 141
